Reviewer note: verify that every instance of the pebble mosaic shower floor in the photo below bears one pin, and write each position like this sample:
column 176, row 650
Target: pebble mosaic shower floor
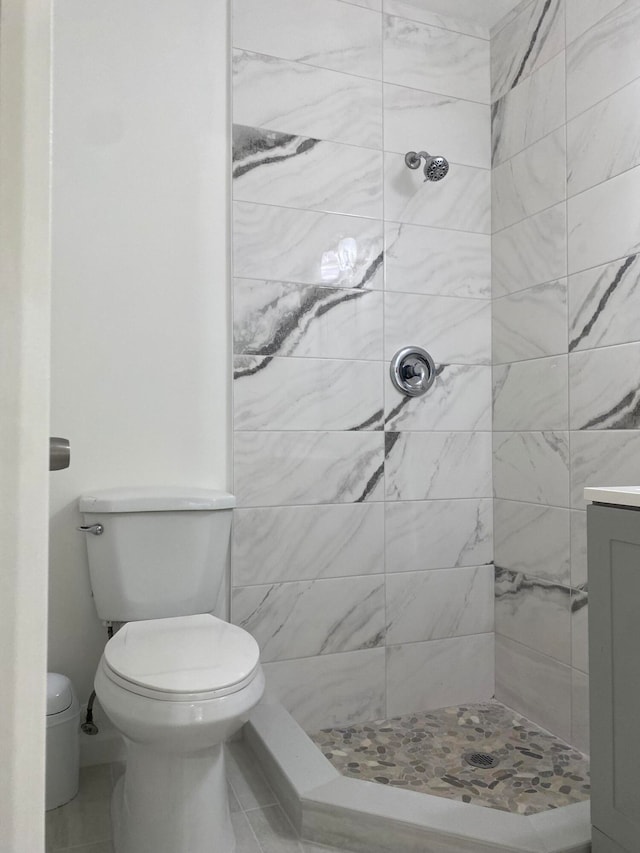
column 425, row 752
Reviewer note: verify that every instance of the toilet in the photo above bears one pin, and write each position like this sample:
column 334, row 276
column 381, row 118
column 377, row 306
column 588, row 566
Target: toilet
column 177, row 679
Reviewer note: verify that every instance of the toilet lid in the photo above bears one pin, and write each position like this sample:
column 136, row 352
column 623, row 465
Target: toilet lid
column 184, row 654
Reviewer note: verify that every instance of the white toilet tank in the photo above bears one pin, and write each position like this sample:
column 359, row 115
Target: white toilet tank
column 162, row 552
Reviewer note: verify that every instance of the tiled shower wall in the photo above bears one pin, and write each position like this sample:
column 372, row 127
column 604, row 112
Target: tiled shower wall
column 566, row 287
column 363, row 540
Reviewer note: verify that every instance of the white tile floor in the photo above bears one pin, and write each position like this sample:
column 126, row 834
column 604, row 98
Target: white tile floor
column 261, row 826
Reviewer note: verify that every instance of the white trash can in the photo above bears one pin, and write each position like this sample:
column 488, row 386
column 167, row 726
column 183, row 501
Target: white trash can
column 63, row 745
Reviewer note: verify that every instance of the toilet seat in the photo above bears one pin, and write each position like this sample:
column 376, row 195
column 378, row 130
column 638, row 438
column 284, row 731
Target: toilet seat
column 182, row 659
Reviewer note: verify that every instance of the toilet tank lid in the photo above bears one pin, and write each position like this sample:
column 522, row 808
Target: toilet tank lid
column 155, row 499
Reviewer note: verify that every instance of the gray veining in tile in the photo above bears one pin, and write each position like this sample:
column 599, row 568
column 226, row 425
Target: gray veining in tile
column 533, row 540
column 604, row 303
column 276, row 168
column 605, row 393
column 437, row 604
column 312, row 617
column 532, row 466
column 306, row 246
column 458, row 127
column 459, row 399
column 421, row 465
column 306, row 394
column 595, row 151
column 534, row 612
column 273, row 318
column 275, row 93
column 603, row 59
column 525, row 44
column 529, row 182
column 422, row 535
column 307, row 542
column 330, row 689
column 275, row 468
column 531, row 395
column 326, row 33
column 531, row 252
column 458, row 65
column 530, row 323
column 530, row 111
column 435, row 261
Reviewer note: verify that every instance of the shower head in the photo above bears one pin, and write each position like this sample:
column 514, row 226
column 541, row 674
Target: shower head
column 435, row 168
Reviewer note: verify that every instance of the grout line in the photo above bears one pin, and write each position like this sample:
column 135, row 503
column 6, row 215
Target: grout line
column 251, row 829
column 369, row 219
column 384, row 384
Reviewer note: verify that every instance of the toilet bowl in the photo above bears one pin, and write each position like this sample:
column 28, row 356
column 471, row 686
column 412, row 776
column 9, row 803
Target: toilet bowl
column 176, row 688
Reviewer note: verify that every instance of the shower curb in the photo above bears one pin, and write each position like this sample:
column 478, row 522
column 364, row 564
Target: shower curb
column 365, row 817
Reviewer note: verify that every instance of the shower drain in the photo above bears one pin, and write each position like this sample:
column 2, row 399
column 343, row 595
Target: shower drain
column 482, row 760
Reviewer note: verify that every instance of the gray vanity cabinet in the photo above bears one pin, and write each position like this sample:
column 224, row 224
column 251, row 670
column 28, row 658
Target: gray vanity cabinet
column 614, row 664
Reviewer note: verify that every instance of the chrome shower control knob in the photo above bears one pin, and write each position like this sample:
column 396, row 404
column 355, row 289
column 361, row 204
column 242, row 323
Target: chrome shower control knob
column 412, row 371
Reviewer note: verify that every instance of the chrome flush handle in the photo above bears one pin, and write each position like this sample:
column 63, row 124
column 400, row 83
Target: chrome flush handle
column 95, row 529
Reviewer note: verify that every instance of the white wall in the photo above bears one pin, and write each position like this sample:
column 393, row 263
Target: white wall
column 139, row 352
column 24, row 416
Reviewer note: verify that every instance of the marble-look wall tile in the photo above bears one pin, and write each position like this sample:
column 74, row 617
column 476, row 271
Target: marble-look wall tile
column 321, row 248
column 603, row 458
column 439, row 673
column 453, row 330
column 529, row 182
column 316, row 617
column 459, row 399
column 603, row 141
column 534, row 612
column 578, row 548
column 425, row 466
column 275, row 468
column 605, row 393
column 583, row 14
column 510, row 16
column 423, row 535
column 531, row 252
column 417, row 10
column 526, row 43
column 604, row 304
column 434, row 261
column 604, row 222
column 302, row 393
column 530, row 111
column 533, row 540
column 274, row 93
column 296, row 171
column 458, row 65
column 326, row 33
column 435, row 605
column 329, row 690
column 580, row 630
column 580, row 711
column 462, row 201
column 531, row 395
column 273, row 318
column 535, row 685
column 532, row 466
column 453, row 126
column 530, row 323
column 604, row 58
column 307, row 542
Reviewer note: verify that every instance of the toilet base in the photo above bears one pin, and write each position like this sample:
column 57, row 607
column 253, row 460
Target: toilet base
column 168, row 802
